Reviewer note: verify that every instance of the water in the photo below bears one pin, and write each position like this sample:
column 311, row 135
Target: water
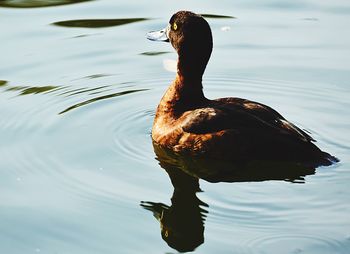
column 78, row 172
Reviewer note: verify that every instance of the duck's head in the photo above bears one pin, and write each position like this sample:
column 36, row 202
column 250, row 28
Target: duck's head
column 191, row 37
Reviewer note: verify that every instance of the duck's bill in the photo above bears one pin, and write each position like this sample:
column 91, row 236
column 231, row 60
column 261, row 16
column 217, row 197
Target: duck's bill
column 161, row 35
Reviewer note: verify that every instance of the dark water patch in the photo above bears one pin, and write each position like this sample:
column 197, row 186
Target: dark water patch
column 84, row 35
column 3, row 82
column 97, row 23
column 154, row 53
column 81, row 36
column 94, row 76
column 215, row 16
column 37, row 3
column 80, row 104
column 38, row 89
column 26, row 90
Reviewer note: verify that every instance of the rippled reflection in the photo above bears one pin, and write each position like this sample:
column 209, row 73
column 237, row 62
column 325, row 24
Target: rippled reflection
column 241, row 171
column 182, row 223
column 67, row 91
column 94, row 76
column 37, row 3
column 154, row 53
column 104, row 97
column 215, row 16
column 24, row 90
column 97, row 23
column 3, row 82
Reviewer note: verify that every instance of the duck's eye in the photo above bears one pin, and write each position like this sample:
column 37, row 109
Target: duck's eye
column 174, row 26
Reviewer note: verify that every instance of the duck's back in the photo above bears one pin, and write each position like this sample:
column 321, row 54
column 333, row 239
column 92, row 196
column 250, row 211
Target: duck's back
column 238, row 129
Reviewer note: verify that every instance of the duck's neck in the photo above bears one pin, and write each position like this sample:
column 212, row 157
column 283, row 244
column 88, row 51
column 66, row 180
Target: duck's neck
column 185, row 93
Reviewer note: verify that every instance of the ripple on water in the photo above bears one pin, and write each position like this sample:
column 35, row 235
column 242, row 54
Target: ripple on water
column 137, row 110
column 132, row 125
column 298, row 243
column 37, row 132
column 127, row 121
column 133, row 117
column 132, row 134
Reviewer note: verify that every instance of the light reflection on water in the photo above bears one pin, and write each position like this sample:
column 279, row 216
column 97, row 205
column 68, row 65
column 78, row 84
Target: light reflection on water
column 77, row 106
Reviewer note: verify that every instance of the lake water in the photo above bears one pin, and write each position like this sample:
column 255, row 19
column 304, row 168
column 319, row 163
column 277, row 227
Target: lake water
column 78, row 91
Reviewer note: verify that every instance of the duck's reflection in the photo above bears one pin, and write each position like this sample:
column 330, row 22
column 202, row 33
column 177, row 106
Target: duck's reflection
column 224, row 171
column 182, row 223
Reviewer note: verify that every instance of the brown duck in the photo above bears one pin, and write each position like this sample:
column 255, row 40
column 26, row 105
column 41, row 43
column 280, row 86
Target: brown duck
column 233, row 129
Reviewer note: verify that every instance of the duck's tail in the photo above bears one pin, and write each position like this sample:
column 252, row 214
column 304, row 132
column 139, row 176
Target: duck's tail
column 328, row 159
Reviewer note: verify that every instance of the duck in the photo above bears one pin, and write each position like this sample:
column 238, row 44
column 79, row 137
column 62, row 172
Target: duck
column 229, row 129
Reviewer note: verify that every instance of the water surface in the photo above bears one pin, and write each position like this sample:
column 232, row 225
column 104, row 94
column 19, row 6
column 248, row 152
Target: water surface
column 79, row 85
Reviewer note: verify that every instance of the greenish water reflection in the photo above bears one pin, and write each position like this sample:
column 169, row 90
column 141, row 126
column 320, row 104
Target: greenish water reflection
column 97, row 23
column 3, row 82
column 37, row 3
column 104, row 97
column 94, row 76
column 25, row 90
column 215, row 16
column 154, row 53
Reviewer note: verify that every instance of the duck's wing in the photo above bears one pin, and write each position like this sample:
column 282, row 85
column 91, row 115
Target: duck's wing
column 269, row 116
column 240, row 115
